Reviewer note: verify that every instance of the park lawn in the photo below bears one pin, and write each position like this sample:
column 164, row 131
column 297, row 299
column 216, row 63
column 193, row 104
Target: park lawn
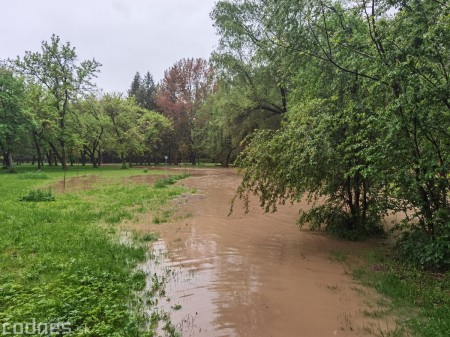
column 63, row 261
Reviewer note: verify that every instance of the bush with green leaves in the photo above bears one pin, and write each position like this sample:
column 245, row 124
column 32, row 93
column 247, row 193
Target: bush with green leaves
column 420, row 249
column 320, row 159
column 161, row 183
column 366, row 124
column 38, row 195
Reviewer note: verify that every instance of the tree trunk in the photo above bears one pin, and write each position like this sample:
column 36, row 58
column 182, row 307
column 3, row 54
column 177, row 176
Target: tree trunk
column 38, row 150
column 63, row 155
column 10, row 161
column 83, row 157
column 99, row 158
column 49, row 157
column 94, row 160
column 228, row 159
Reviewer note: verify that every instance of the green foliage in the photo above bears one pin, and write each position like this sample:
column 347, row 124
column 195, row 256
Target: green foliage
column 367, row 115
column 133, row 131
column 144, row 91
column 12, row 118
column 423, row 251
column 38, row 195
column 338, row 223
column 61, row 78
column 180, row 95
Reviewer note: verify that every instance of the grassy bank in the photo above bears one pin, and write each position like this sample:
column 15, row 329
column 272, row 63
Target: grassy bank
column 62, row 261
column 420, row 300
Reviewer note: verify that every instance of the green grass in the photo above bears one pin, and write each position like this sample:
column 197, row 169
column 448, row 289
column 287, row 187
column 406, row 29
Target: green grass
column 162, row 183
column 338, row 255
column 32, row 175
column 162, row 217
column 420, row 299
column 63, row 261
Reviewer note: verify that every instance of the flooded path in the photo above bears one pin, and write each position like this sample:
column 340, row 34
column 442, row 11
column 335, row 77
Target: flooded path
column 255, row 274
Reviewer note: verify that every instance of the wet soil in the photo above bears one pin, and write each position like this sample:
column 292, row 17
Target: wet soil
column 81, row 183
column 255, row 274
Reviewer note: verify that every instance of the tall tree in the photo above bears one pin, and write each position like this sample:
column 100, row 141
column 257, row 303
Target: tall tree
column 181, row 93
column 56, row 68
column 41, row 118
column 143, row 90
column 12, row 120
column 135, row 85
column 92, row 124
column 393, row 57
column 146, row 98
column 134, row 131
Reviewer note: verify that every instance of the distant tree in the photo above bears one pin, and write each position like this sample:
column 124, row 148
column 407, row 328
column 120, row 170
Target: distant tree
column 92, row 124
column 183, row 90
column 153, row 127
column 143, row 90
column 135, row 85
column 133, row 130
column 56, row 68
column 146, row 99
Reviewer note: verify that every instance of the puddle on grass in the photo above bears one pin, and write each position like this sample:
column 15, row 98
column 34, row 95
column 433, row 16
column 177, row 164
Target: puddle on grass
column 187, row 284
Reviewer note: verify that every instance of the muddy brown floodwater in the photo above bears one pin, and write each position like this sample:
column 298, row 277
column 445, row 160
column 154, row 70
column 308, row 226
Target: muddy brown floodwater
column 255, row 274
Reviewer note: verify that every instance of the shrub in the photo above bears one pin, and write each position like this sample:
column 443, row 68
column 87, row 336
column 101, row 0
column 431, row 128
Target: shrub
column 338, row 223
column 423, row 251
column 38, row 196
column 169, row 181
column 32, row 175
column 150, row 237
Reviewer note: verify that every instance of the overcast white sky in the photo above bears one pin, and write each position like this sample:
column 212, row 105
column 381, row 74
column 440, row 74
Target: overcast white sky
column 124, row 35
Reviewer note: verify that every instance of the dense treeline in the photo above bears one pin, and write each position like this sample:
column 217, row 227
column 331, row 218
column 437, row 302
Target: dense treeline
column 346, row 103
column 51, row 113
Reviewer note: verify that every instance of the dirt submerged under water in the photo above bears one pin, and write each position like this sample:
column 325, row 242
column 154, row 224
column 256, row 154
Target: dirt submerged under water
column 255, row 274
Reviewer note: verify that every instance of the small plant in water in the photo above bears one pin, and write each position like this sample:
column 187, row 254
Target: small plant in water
column 177, row 307
column 169, row 181
column 150, row 237
column 38, row 196
column 161, row 218
column 338, row 255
